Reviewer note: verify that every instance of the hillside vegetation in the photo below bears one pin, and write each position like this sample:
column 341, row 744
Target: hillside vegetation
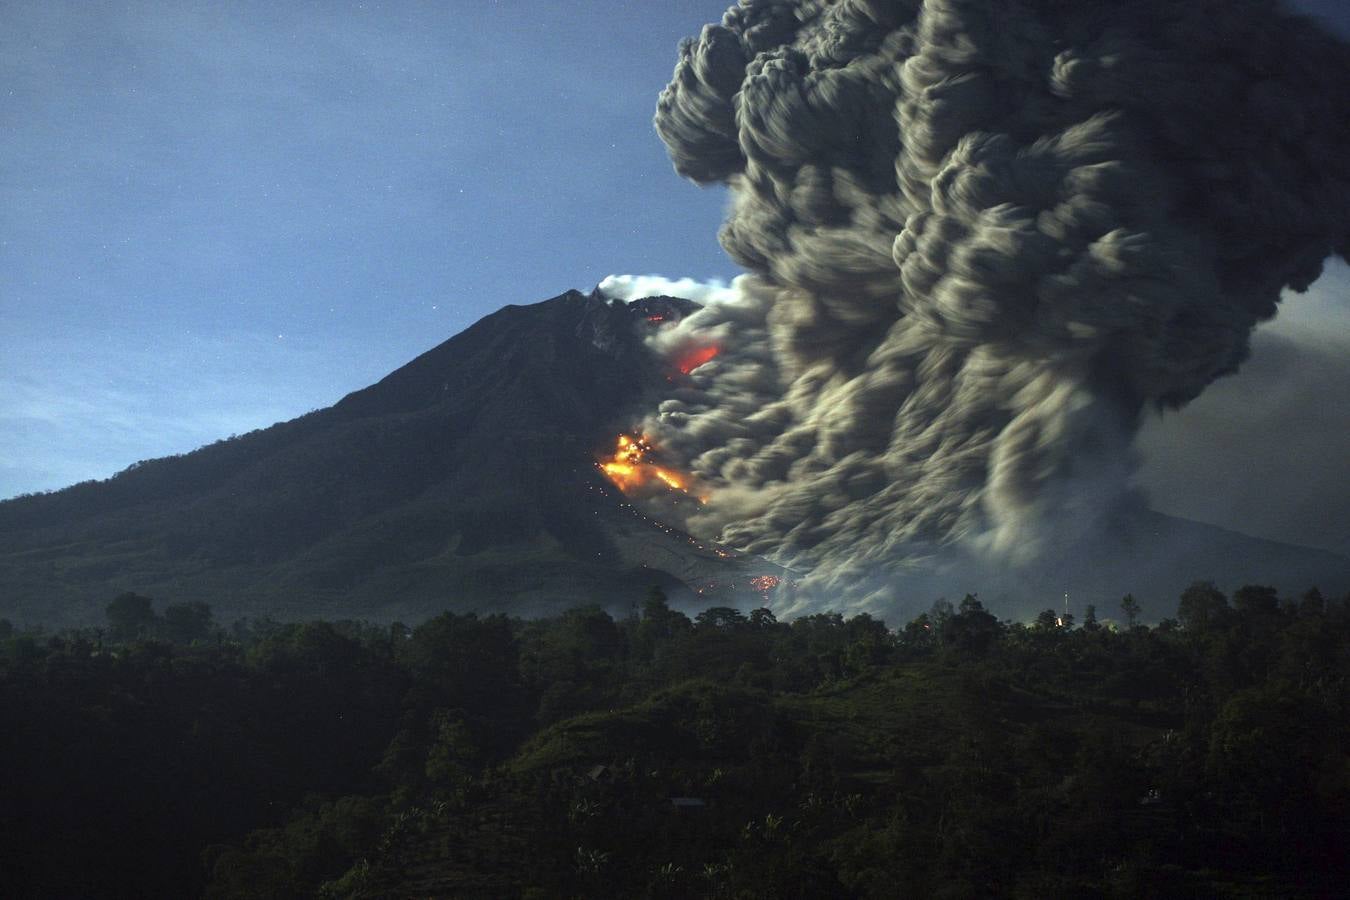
column 729, row 755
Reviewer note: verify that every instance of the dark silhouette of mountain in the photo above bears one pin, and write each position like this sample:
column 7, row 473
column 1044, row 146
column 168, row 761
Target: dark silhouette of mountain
column 467, row 480
column 463, row 480
column 1140, row 551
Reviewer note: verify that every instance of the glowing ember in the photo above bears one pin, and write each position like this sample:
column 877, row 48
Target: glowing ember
column 631, row 469
column 765, row 583
column 692, row 358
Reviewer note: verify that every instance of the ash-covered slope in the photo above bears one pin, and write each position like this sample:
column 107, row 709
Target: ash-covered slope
column 463, row 480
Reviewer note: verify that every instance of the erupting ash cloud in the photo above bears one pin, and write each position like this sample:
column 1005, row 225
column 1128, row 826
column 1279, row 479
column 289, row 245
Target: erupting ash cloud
column 986, row 235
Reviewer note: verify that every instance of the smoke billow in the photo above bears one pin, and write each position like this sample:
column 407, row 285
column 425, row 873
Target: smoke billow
column 985, row 236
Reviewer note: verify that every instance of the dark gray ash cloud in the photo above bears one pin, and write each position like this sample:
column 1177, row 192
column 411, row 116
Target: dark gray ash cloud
column 986, row 237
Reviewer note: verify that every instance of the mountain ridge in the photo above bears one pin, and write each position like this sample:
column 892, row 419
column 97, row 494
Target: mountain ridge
column 466, row 479
column 483, row 446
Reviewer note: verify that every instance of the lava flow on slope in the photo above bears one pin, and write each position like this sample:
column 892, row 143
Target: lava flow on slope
column 633, row 471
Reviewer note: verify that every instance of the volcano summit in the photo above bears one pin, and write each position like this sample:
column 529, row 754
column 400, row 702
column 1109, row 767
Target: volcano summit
column 466, row 479
column 474, row 478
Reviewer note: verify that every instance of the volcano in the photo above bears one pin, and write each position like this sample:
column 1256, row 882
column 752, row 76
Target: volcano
column 470, row 479
column 465, row 480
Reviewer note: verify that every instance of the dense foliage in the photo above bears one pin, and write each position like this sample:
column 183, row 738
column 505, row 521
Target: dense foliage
column 730, row 755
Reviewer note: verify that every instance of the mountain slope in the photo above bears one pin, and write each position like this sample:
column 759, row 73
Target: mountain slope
column 463, row 480
column 466, row 480
column 1141, row 552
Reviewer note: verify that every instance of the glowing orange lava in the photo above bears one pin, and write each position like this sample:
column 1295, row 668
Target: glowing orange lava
column 765, row 583
column 631, row 470
column 693, row 357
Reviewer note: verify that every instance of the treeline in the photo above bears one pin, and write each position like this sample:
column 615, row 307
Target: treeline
column 659, row 755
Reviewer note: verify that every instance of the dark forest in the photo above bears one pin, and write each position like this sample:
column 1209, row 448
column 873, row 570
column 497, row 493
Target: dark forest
column 655, row 755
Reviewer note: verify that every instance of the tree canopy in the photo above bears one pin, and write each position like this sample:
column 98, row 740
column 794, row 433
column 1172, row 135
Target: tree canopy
column 655, row 755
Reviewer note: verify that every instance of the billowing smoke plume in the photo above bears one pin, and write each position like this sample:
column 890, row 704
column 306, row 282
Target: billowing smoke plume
column 985, row 235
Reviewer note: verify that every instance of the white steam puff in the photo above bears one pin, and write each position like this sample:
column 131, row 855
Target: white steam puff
column 635, row 287
column 986, row 235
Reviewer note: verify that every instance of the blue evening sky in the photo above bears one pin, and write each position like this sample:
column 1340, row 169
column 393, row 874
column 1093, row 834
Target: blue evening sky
column 217, row 215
